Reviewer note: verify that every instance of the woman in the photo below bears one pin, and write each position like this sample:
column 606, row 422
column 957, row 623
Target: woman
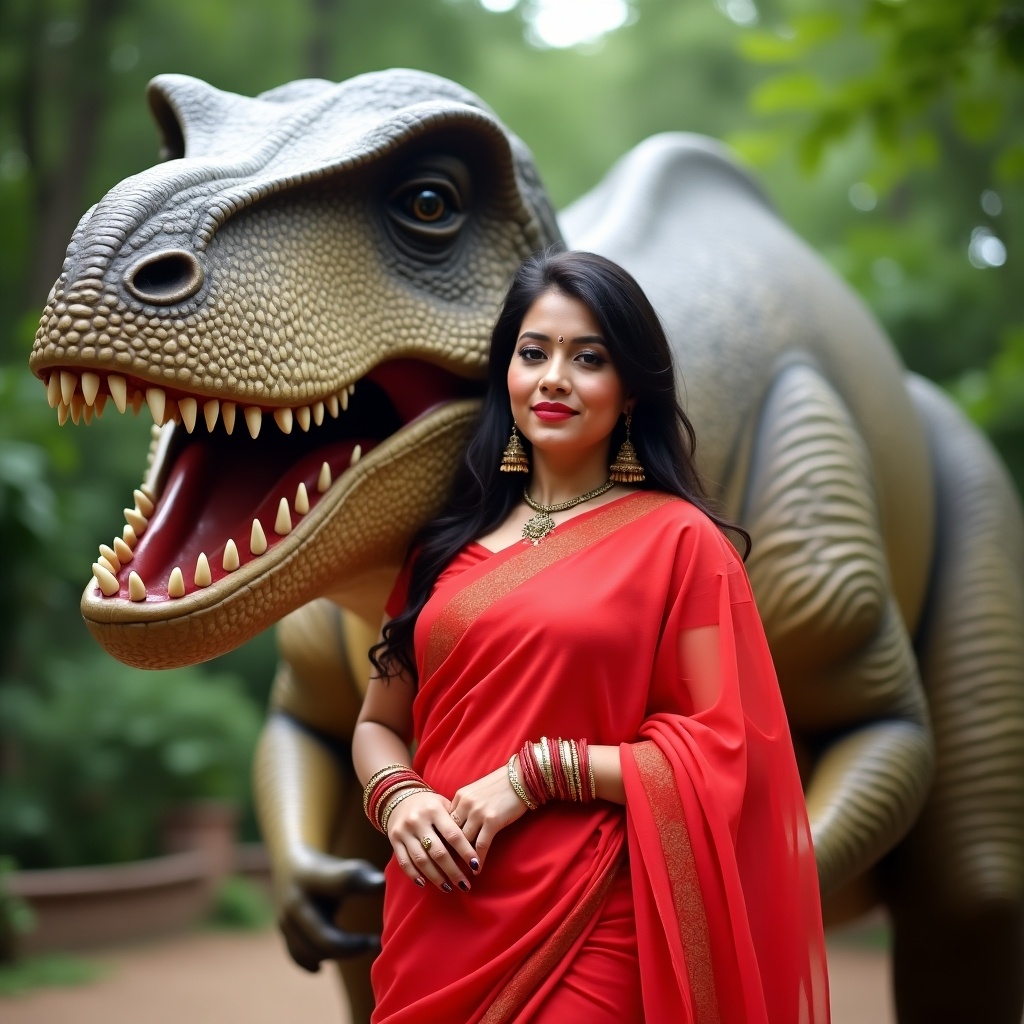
column 656, row 863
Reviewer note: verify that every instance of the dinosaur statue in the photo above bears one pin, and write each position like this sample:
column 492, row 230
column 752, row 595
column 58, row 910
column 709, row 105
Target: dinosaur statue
column 302, row 294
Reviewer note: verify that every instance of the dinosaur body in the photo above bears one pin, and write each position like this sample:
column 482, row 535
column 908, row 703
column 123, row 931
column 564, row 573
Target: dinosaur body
column 325, row 237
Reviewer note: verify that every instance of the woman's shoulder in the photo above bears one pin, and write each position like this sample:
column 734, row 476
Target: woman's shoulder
column 677, row 518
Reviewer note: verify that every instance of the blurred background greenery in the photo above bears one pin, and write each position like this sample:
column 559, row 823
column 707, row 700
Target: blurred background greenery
column 888, row 132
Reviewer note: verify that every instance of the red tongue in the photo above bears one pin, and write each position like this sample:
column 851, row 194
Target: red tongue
column 209, row 499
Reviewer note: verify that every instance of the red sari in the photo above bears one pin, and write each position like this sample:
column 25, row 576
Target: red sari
column 590, row 634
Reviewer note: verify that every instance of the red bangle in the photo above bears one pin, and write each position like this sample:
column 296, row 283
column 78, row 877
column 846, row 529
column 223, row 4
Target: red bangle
column 387, row 786
column 586, row 793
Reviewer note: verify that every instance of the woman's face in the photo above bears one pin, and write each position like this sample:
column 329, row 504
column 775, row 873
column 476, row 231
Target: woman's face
column 566, row 395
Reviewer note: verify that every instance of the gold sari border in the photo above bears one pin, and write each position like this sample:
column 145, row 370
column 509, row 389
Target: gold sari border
column 546, row 957
column 457, row 616
column 670, row 819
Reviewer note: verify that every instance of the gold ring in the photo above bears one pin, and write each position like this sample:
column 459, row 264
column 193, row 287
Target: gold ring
column 426, row 842
column 456, row 818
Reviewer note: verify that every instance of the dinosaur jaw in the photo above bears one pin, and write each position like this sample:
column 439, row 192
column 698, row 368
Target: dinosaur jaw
column 237, row 500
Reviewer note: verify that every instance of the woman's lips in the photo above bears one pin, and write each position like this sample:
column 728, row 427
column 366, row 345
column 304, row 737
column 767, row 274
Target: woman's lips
column 552, row 411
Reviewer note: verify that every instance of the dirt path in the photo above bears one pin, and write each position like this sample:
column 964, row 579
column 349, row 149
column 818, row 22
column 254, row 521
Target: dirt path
column 222, row 977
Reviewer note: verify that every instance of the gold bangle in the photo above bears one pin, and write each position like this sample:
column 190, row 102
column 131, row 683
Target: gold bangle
column 513, row 778
column 566, row 773
column 572, row 772
column 390, row 769
column 404, row 795
column 574, row 751
column 590, row 772
column 545, row 767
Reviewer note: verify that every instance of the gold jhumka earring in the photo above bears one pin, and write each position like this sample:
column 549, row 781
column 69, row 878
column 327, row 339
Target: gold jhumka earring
column 513, row 459
column 626, row 468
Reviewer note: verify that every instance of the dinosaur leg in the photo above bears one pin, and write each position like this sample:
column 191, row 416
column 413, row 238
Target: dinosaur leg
column 845, row 662
column 957, row 883
column 310, row 802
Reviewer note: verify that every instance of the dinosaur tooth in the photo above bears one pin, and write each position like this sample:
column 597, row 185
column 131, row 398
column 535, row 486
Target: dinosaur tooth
column 357, row 454
column 68, row 385
column 257, row 539
column 53, row 393
column 136, row 588
column 110, row 555
column 284, row 419
column 318, row 413
column 176, row 583
column 90, row 386
column 156, row 399
column 143, row 502
column 154, row 433
column 202, row 577
column 301, row 499
column 283, row 522
column 77, row 404
column 332, row 405
column 106, row 563
column 323, row 481
column 227, row 414
column 106, row 580
column 188, row 407
column 344, row 399
column 211, row 413
column 62, row 413
column 136, row 520
column 302, row 417
column 129, row 535
column 99, row 405
column 352, row 388
column 137, row 399
column 148, row 492
column 87, row 411
column 229, row 563
column 118, row 391
column 253, row 420
column 121, row 548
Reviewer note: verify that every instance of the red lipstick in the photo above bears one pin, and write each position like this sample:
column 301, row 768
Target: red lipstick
column 552, row 411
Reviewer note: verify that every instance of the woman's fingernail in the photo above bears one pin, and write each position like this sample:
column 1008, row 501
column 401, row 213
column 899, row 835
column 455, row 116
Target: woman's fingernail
column 420, row 882
column 464, row 886
column 446, row 887
column 474, row 864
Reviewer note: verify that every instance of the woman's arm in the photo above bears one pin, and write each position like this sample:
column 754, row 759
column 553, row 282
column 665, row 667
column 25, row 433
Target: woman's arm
column 379, row 740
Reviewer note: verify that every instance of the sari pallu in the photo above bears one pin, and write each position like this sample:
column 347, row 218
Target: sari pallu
column 580, row 636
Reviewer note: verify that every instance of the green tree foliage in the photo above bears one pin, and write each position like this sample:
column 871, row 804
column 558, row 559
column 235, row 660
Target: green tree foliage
column 887, row 132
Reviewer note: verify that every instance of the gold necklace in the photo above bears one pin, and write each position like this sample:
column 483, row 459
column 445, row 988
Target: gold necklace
column 537, row 527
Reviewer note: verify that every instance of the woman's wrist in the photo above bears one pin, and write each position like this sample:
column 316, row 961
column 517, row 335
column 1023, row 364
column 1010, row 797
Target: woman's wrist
column 552, row 769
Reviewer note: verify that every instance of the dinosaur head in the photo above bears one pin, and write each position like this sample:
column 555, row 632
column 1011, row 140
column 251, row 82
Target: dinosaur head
column 302, row 294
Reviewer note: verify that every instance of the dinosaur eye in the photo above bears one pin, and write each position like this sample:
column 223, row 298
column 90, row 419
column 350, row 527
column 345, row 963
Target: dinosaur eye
column 428, row 206
column 425, row 213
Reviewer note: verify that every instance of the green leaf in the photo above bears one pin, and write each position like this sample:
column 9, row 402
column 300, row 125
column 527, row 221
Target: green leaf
column 800, row 91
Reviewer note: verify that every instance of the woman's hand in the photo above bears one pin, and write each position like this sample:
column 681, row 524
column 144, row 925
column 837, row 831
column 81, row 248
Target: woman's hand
column 419, row 828
column 485, row 807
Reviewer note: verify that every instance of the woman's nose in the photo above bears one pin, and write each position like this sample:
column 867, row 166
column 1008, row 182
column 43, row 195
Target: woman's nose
column 555, row 380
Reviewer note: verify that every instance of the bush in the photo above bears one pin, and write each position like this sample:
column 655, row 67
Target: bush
column 94, row 756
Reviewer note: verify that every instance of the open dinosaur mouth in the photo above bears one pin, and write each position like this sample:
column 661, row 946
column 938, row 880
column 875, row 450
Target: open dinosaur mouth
column 229, row 481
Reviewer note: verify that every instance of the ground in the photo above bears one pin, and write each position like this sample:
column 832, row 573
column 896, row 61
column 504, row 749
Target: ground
column 207, row 977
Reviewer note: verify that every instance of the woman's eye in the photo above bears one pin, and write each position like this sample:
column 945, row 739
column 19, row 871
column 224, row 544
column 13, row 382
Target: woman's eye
column 531, row 354
column 590, row 358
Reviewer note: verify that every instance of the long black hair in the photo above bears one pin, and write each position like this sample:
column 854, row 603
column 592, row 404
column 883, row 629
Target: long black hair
column 483, row 497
